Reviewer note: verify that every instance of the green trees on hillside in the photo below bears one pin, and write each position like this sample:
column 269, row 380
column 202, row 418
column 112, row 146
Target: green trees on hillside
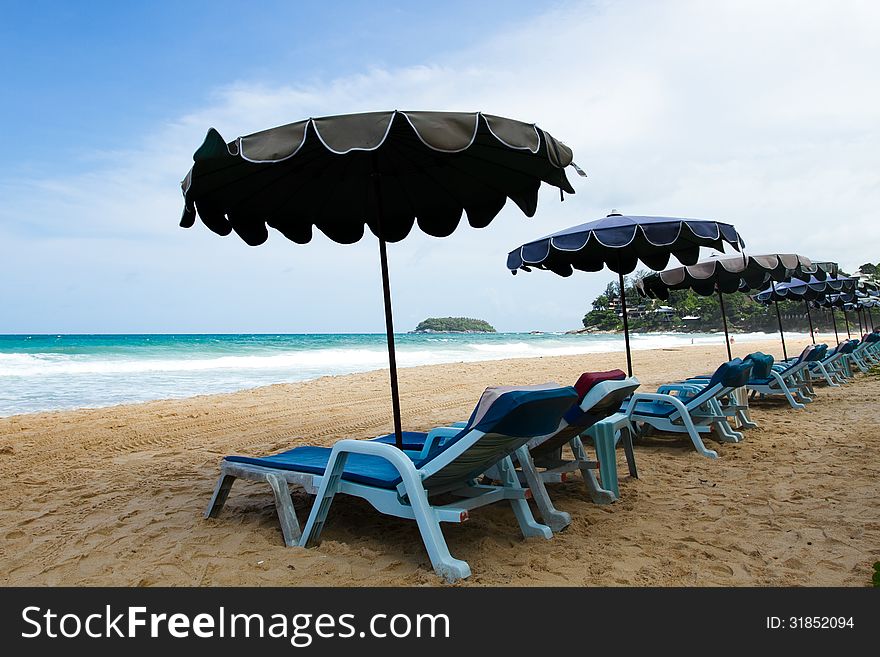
column 455, row 324
column 703, row 313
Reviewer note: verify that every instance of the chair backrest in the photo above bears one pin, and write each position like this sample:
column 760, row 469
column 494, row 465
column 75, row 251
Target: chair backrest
column 503, row 420
column 818, row 353
column 730, row 375
column 762, row 364
column 805, row 354
column 725, row 372
column 600, row 396
column 846, row 347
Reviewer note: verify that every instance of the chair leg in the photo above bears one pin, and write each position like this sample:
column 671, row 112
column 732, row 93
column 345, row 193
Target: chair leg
column 527, row 523
column 725, row 432
column 603, row 439
column 745, row 418
column 554, row 518
column 626, row 437
column 286, row 513
column 791, row 400
column 695, row 438
column 445, row 565
column 597, row 494
column 221, row 492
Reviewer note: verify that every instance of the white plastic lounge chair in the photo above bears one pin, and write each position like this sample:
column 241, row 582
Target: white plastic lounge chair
column 540, row 461
column 597, row 417
column 787, row 379
column 735, row 405
column 829, row 368
column 864, row 355
column 396, row 484
column 692, row 409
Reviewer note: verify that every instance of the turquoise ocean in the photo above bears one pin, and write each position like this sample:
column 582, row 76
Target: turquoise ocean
column 54, row 372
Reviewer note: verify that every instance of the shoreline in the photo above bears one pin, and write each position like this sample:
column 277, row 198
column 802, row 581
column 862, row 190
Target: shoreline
column 757, row 338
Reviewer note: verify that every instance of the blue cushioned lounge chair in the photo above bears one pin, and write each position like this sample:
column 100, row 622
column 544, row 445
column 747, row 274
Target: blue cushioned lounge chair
column 864, row 353
column 692, row 408
column 397, row 484
column 595, row 416
column 829, row 368
column 787, row 378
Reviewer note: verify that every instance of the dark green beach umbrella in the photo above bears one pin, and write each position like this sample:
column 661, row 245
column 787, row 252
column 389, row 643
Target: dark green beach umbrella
column 379, row 171
column 737, row 273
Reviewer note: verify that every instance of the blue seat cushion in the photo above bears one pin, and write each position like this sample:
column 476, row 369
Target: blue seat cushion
column 412, row 440
column 654, row 409
column 359, row 468
column 760, row 382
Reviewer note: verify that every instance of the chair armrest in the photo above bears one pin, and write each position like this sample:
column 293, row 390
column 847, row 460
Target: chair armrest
column 651, row 396
column 437, row 436
column 689, row 388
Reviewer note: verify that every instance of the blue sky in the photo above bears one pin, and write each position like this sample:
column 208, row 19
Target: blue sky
column 761, row 114
column 92, row 75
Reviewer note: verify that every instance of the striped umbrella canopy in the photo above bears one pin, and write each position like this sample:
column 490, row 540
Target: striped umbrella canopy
column 379, row 171
column 805, row 290
column 813, row 288
column 738, row 273
column 620, row 242
column 846, row 301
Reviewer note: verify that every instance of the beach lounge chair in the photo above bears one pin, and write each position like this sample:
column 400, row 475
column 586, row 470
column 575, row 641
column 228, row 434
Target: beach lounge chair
column 828, row 368
column 396, row 484
column 844, row 365
column 864, row 354
column 595, row 415
column 692, row 408
column 736, row 404
column 787, row 378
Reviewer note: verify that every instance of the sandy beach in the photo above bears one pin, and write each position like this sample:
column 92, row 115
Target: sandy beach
column 115, row 496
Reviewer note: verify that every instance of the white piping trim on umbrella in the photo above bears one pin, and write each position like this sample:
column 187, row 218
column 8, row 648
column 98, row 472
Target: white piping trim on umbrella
column 477, row 116
column 357, row 148
column 592, row 235
column 519, row 148
column 534, row 262
column 241, row 143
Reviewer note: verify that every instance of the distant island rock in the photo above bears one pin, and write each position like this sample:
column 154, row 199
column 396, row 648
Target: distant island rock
column 454, row 325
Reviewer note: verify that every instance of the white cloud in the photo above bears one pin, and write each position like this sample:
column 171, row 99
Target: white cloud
column 761, row 114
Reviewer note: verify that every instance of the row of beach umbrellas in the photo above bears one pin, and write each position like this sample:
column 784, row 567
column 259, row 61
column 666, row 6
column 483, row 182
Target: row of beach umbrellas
column 388, row 172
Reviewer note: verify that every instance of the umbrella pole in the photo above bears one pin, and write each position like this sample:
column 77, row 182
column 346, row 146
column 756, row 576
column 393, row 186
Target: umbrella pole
column 859, row 318
column 846, row 319
column 871, row 315
column 810, row 319
column 629, row 365
column 389, row 335
column 779, row 320
column 389, row 320
column 834, row 322
column 724, row 319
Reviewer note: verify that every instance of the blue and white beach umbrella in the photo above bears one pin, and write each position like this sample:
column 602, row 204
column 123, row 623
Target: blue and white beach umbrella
column 620, row 242
column 805, row 290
